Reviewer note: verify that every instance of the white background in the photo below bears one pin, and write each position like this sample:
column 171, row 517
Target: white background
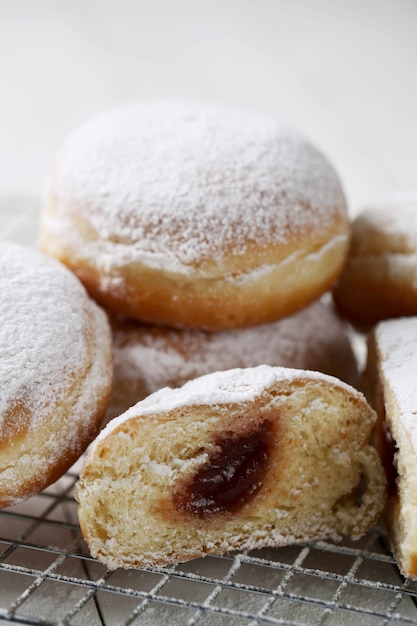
column 344, row 72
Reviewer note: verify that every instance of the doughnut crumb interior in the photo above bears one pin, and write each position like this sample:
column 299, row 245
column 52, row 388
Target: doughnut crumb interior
column 230, row 461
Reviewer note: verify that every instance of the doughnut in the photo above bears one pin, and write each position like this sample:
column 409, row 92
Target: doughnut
column 234, row 460
column 147, row 358
column 55, row 371
column 195, row 215
column 380, row 277
column 390, row 376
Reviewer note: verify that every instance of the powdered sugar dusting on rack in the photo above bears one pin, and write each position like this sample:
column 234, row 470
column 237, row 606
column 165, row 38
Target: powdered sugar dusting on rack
column 173, row 184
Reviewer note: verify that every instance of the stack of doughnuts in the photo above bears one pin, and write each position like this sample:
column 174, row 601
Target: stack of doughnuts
column 184, row 220
column 210, row 236
column 377, row 293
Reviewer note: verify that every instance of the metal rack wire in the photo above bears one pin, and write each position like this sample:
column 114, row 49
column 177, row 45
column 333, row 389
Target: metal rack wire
column 48, row 577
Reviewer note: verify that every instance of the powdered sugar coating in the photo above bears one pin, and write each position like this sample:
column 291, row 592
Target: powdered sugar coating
column 174, row 184
column 233, row 386
column 42, row 331
column 149, row 358
column 397, row 345
column 396, row 217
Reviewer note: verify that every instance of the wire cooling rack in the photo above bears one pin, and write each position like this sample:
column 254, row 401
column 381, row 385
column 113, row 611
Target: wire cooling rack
column 48, row 577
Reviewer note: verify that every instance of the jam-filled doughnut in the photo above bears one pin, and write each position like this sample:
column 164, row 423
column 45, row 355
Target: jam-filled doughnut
column 193, row 215
column 391, row 376
column 380, row 277
column 147, row 358
column 55, row 371
column 232, row 460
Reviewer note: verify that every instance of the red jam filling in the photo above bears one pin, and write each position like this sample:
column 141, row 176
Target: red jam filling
column 232, row 475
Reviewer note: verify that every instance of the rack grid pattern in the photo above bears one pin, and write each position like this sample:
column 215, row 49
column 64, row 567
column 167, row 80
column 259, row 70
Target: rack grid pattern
column 48, row 577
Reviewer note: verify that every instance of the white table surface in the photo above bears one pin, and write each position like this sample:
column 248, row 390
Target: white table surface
column 344, row 72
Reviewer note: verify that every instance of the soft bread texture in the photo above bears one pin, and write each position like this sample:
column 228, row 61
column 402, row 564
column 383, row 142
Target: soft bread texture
column 303, row 453
column 147, row 358
column 379, row 280
column 192, row 215
column 390, row 379
column 55, row 371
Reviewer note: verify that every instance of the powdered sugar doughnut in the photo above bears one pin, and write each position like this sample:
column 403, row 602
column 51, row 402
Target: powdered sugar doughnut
column 380, row 277
column 55, row 371
column 147, row 358
column 233, row 460
column 391, row 384
column 195, row 215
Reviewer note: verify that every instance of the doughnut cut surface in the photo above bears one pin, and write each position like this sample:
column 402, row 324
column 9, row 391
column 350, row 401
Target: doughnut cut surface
column 233, row 460
column 193, row 215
